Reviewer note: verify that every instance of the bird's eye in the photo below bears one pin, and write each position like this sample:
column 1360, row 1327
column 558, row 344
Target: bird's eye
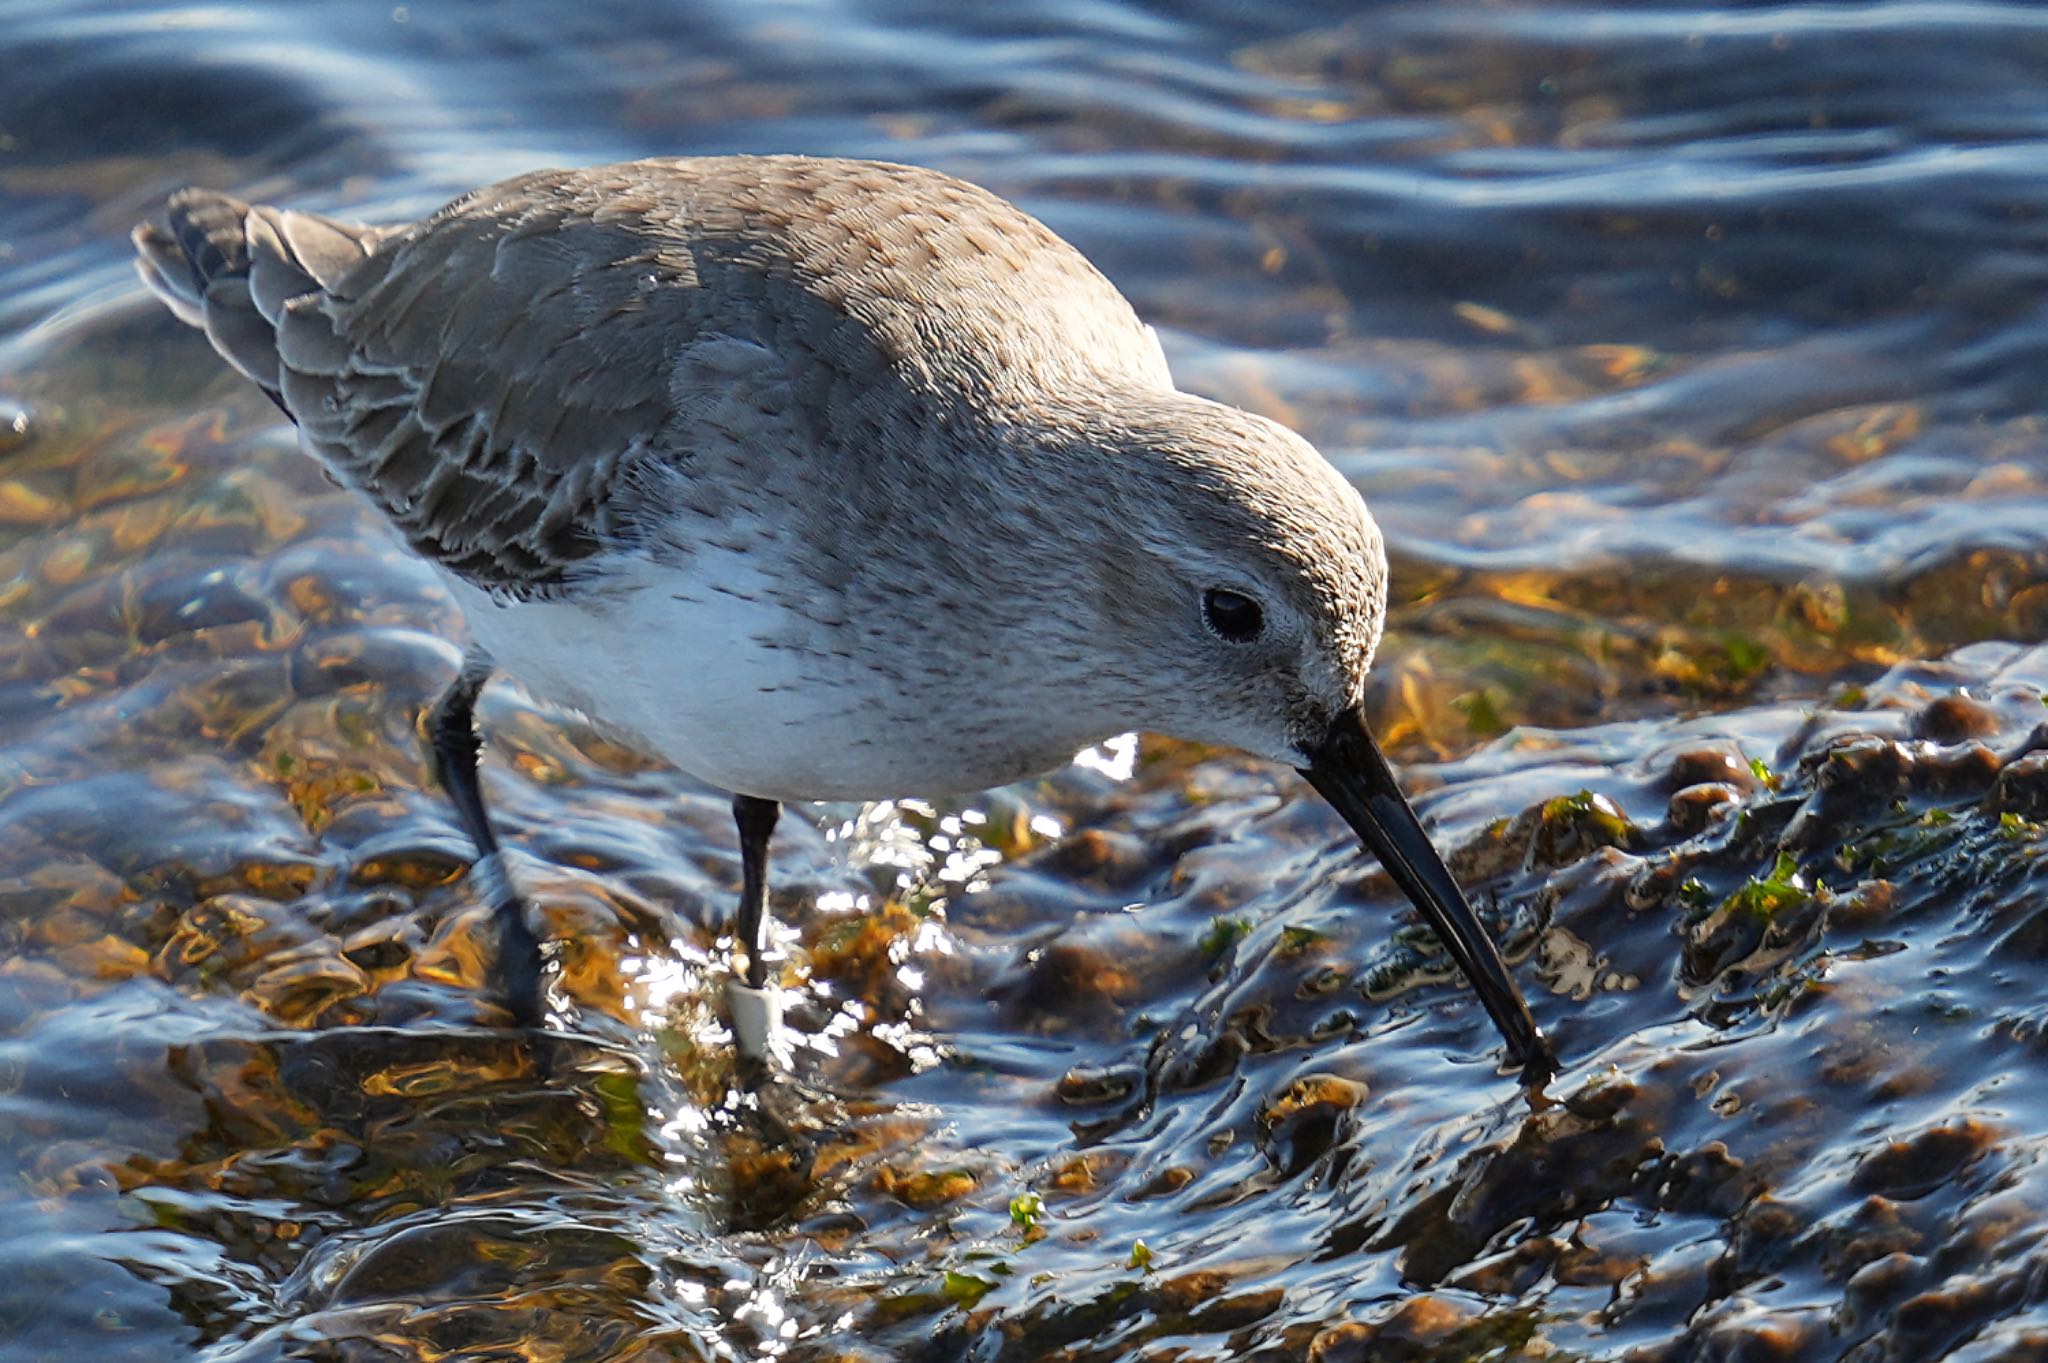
column 1233, row 615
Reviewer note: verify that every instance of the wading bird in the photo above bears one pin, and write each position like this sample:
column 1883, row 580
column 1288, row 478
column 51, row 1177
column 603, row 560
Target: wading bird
column 823, row 480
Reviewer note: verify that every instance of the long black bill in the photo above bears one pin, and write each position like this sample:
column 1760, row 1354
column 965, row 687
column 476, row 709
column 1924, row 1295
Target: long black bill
column 1351, row 772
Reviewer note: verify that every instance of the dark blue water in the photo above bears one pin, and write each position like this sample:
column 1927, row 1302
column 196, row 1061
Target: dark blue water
column 1692, row 360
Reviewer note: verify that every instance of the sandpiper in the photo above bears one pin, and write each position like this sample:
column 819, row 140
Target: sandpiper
column 821, row 479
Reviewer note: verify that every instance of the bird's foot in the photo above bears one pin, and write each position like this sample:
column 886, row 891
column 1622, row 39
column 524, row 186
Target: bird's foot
column 756, row 1019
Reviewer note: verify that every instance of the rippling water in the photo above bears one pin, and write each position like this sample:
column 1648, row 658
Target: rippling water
column 1691, row 358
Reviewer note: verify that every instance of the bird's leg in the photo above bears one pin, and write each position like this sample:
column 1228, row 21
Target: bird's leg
column 756, row 819
column 755, row 1009
column 451, row 728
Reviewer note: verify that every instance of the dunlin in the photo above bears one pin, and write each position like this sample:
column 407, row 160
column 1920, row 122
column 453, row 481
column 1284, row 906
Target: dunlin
column 822, row 480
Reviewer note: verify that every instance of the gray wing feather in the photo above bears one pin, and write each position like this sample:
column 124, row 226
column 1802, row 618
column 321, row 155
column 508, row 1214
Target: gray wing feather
column 230, row 269
column 505, row 378
column 437, row 376
column 486, row 378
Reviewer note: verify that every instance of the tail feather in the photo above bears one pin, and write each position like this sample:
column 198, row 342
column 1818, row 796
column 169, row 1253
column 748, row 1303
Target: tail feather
column 230, row 269
column 293, row 253
column 209, row 230
column 165, row 269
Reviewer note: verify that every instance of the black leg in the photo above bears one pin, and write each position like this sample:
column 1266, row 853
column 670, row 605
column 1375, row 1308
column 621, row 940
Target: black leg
column 451, row 728
column 756, row 818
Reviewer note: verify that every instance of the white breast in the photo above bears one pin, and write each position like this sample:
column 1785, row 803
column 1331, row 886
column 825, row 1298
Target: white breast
column 705, row 672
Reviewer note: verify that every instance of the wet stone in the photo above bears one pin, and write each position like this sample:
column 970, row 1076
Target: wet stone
column 1350, row 1342
column 378, row 949
column 1583, row 1265
column 1712, row 766
column 1864, row 906
column 88, row 624
column 23, row 503
column 205, row 598
column 1302, row 1124
column 420, row 866
column 1185, row 1291
column 1850, row 778
column 927, row 1185
column 2022, row 787
column 1762, row 918
column 1665, row 1293
column 1916, row 1165
column 1692, row 808
column 1100, row 857
column 1165, row 1183
column 1512, row 1272
column 1877, row 1285
column 1603, row 1100
column 1086, row 1172
column 1875, row 1228
column 1089, row 1086
column 1764, row 1235
column 1654, row 880
column 1747, row 1333
column 2010, row 1342
column 1564, row 829
column 1066, row 986
column 1417, row 1328
column 1929, row 1322
column 1954, row 718
column 1968, row 768
column 1235, row 1311
column 407, row 663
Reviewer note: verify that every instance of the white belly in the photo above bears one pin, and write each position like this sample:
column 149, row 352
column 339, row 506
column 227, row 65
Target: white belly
column 717, row 683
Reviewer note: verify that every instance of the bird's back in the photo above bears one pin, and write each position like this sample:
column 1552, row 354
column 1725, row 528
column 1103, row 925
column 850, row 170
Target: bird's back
column 499, row 377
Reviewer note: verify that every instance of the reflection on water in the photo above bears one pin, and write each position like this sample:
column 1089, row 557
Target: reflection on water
column 1691, row 359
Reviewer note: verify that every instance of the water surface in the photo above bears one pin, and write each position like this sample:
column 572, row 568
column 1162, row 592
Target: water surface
column 1690, row 358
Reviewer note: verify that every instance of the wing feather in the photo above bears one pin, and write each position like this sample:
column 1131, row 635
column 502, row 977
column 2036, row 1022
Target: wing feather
column 522, row 379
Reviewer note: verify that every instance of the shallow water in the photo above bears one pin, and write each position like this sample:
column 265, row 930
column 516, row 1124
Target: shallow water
column 1690, row 358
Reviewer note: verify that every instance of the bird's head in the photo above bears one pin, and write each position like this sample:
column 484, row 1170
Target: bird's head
column 1244, row 584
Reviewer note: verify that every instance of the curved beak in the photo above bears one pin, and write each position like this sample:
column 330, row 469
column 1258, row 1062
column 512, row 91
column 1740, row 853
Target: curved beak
column 1349, row 771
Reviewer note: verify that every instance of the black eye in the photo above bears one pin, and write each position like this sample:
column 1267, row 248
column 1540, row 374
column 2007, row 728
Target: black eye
column 1233, row 615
